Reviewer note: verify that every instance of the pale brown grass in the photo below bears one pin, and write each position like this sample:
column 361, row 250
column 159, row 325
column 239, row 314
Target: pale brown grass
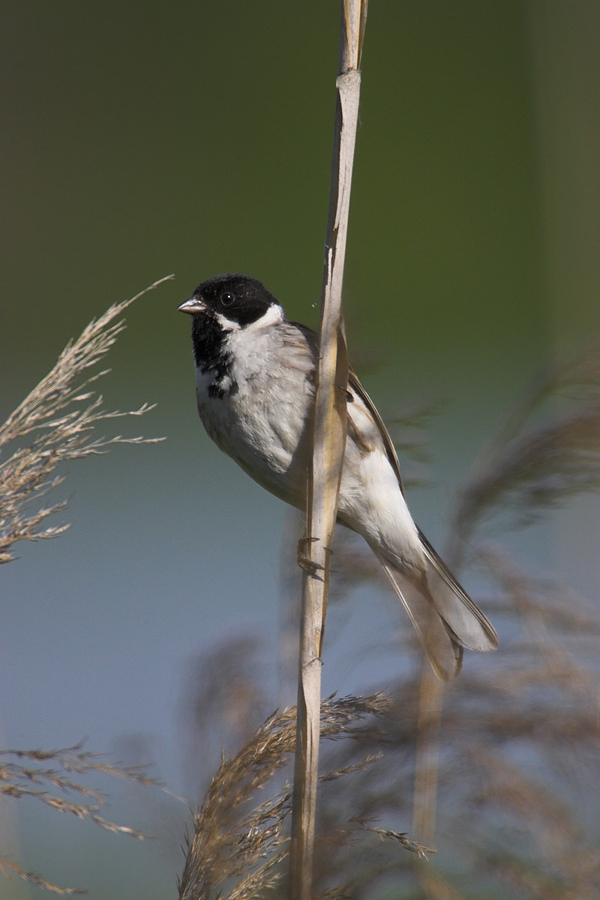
column 241, row 838
column 52, row 777
column 56, row 423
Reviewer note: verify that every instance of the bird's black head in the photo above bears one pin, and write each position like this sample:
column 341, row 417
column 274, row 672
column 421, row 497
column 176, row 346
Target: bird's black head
column 219, row 306
column 238, row 299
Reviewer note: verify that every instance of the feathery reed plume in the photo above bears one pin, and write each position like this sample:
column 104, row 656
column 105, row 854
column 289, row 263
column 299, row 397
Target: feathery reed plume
column 546, row 452
column 50, row 776
column 224, row 700
column 535, row 718
column 232, row 843
column 8, row 868
column 540, row 457
column 58, row 418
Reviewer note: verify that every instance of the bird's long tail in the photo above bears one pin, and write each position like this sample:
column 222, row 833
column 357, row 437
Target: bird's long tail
column 443, row 614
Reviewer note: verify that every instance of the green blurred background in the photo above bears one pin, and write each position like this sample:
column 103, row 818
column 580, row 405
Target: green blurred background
column 143, row 139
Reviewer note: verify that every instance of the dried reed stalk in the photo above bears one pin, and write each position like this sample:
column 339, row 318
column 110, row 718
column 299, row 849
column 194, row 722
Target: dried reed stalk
column 329, row 439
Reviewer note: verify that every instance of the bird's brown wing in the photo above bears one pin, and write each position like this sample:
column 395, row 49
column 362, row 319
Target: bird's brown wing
column 355, row 385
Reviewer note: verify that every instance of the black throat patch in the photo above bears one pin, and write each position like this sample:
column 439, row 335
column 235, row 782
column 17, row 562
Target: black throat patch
column 211, row 355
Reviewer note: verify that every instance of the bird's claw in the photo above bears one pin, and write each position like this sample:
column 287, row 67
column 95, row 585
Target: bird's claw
column 304, row 561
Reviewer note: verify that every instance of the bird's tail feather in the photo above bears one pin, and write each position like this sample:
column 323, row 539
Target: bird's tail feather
column 445, row 653
column 444, row 616
column 454, row 605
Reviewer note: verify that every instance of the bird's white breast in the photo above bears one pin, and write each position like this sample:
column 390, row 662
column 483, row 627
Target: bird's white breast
column 260, row 420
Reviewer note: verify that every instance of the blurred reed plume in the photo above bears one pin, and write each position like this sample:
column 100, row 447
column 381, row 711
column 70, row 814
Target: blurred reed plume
column 58, row 421
column 225, row 698
column 503, row 763
column 546, row 452
column 54, row 424
column 50, row 777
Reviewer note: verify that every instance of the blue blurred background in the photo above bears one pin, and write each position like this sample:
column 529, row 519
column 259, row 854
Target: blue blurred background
column 143, row 139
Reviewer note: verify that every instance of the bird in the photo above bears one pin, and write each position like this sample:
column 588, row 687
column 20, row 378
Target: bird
column 255, row 388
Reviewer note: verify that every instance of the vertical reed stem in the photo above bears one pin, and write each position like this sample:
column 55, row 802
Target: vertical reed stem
column 329, row 439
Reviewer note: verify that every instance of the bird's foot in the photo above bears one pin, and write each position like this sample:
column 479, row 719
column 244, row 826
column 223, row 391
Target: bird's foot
column 304, row 561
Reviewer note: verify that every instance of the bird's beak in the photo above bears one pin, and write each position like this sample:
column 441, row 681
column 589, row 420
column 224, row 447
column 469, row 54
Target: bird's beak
column 192, row 306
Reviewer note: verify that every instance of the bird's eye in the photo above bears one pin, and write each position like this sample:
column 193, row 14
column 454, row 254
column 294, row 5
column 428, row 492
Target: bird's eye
column 227, row 298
